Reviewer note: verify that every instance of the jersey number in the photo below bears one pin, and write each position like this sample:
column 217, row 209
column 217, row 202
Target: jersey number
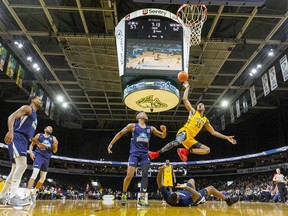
column 198, row 124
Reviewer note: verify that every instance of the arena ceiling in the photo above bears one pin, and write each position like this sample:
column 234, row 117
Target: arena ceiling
column 75, row 44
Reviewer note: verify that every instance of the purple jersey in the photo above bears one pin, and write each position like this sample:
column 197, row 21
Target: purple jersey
column 26, row 125
column 140, row 140
column 47, row 141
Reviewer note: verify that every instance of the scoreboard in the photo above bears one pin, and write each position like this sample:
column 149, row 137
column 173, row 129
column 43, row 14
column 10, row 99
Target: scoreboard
column 154, row 28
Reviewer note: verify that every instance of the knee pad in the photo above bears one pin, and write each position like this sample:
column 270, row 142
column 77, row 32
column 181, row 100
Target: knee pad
column 35, row 173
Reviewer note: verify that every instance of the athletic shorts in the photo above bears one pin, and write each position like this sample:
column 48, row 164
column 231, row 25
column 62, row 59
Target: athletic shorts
column 18, row 147
column 41, row 162
column 187, row 140
column 140, row 158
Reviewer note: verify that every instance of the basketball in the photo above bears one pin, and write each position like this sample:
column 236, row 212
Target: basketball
column 182, row 76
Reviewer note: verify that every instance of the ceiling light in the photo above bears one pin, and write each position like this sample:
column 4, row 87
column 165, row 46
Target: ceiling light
column 60, row 98
column 259, row 66
column 16, row 42
column 251, row 74
column 65, row 105
column 38, row 68
column 35, row 65
column 224, row 103
column 29, row 58
column 254, row 71
column 271, row 53
column 20, row 45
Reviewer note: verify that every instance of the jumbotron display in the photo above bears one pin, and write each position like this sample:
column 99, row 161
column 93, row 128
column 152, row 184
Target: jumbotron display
column 153, row 45
column 152, row 48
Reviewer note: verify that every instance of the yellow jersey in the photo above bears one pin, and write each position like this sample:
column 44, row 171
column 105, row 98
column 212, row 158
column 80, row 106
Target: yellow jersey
column 2, row 185
column 192, row 127
column 168, row 176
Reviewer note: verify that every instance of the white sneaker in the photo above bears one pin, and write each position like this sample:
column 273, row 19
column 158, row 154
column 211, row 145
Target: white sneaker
column 18, row 201
column 4, row 200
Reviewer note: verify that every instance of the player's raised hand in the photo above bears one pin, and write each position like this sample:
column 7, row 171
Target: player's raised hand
column 109, row 149
column 186, row 84
column 231, row 140
column 163, row 128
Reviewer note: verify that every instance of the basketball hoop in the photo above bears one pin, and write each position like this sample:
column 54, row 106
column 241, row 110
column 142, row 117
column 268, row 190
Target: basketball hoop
column 193, row 16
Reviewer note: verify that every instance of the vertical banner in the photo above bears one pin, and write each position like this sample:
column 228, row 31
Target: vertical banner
column 34, row 88
column 265, row 84
column 52, row 107
column 238, row 108
column 284, row 67
column 11, row 67
column 253, row 96
column 3, row 54
column 47, row 107
column 40, row 93
column 223, row 122
column 232, row 114
column 245, row 104
column 273, row 78
column 20, row 76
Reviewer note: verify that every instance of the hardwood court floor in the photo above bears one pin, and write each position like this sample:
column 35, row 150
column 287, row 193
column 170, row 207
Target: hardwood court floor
column 156, row 208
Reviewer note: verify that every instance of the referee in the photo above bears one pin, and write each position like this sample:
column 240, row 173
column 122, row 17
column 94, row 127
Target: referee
column 281, row 184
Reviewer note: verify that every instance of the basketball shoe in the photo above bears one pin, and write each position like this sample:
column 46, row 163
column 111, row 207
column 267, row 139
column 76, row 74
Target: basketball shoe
column 142, row 202
column 231, row 200
column 18, row 201
column 182, row 152
column 153, row 155
column 123, row 199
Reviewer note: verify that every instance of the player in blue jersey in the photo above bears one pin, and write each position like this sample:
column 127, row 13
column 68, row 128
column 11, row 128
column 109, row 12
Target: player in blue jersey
column 187, row 195
column 139, row 147
column 22, row 125
column 41, row 157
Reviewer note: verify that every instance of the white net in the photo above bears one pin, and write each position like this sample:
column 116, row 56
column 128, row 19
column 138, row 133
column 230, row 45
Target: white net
column 193, row 17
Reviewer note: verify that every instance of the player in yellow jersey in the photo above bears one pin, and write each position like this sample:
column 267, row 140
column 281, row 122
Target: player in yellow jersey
column 2, row 182
column 186, row 134
column 169, row 178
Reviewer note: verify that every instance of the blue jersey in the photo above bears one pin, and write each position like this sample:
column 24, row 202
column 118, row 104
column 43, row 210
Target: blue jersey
column 185, row 198
column 140, row 139
column 47, row 141
column 26, row 125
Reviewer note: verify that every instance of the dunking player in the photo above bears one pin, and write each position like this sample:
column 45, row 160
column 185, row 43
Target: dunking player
column 186, row 134
column 41, row 157
column 22, row 125
column 139, row 146
column 188, row 196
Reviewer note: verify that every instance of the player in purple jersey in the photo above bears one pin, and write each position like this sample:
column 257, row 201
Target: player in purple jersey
column 187, row 195
column 139, row 147
column 22, row 125
column 41, row 157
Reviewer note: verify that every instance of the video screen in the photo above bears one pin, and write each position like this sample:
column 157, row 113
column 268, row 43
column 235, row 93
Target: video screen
column 152, row 55
column 153, row 46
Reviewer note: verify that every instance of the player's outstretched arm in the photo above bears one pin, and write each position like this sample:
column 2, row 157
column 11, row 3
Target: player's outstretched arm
column 128, row 128
column 211, row 130
column 22, row 111
column 186, row 101
column 55, row 145
column 159, row 133
column 32, row 156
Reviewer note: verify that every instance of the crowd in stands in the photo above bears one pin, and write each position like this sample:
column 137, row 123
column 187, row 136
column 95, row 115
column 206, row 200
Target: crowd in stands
column 255, row 187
